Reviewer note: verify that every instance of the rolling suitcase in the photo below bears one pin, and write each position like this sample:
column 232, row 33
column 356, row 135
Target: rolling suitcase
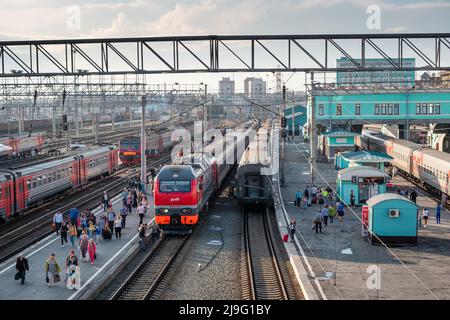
column 314, row 200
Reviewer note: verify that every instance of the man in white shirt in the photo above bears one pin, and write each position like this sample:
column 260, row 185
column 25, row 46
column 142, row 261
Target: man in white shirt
column 57, row 220
column 141, row 211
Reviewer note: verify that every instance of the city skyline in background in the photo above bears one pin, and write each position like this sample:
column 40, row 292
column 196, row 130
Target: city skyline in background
column 141, row 18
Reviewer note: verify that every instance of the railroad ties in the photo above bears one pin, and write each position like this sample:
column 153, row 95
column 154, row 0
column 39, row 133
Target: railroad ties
column 262, row 278
column 146, row 280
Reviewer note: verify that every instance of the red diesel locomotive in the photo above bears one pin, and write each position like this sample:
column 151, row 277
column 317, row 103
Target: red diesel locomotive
column 23, row 187
column 182, row 190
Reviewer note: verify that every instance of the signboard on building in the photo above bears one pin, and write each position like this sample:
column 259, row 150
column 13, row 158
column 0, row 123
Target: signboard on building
column 394, row 77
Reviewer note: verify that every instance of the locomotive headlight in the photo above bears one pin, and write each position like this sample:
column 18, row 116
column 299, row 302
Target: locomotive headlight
column 186, row 210
column 163, row 210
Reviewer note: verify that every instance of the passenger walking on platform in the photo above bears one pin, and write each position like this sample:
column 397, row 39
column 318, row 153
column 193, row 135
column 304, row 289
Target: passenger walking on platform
column 21, row 268
column 141, row 231
column 352, row 198
column 118, row 227
column 298, row 198
column 394, row 172
column 314, row 190
column 64, row 230
column 306, row 192
column 141, row 211
column 325, row 213
column 331, row 213
column 413, row 196
column 135, row 198
column 107, row 232
column 305, row 202
column 438, row 213
column 73, row 214
column 91, row 229
column 340, row 210
column 73, row 233
column 111, row 218
column 124, row 196
column 105, row 200
column 83, row 244
column 320, row 201
column 52, row 270
column 425, row 214
column 123, row 214
column 92, row 249
column 317, row 222
column 155, row 232
column 71, row 266
column 57, row 220
column 129, row 202
column 292, row 230
column 100, row 225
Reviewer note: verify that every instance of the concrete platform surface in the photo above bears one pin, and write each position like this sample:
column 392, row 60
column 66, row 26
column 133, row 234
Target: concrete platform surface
column 341, row 262
column 109, row 253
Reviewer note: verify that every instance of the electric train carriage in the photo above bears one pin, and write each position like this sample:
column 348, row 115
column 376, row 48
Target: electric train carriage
column 157, row 142
column 182, row 190
column 23, row 187
column 254, row 173
column 21, row 145
column 429, row 167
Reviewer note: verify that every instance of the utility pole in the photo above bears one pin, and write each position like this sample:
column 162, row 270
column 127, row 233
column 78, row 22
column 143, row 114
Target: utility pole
column 113, row 117
column 143, row 157
column 312, row 130
column 96, row 129
column 283, row 138
column 77, row 127
column 54, row 121
column 205, row 109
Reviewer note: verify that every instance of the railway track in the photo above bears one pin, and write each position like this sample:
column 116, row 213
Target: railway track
column 15, row 237
column 148, row 278
column 263, row 277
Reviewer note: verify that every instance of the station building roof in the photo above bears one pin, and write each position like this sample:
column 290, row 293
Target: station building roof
column 339, row 133
column 386, row 197
column 360, row 171
column 366, row 156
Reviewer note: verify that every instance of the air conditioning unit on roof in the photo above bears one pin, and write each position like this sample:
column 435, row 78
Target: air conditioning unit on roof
column 394, row 213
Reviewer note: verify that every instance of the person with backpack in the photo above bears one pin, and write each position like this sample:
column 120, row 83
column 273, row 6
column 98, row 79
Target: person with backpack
column 129, row 202
column 317, row 222
column 21, row 268
column 106, row 232
column 71, row 267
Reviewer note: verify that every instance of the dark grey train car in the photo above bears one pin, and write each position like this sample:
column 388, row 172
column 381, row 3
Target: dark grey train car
column 254, row 173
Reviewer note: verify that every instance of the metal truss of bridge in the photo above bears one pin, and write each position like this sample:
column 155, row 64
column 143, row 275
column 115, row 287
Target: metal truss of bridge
column 244, row 53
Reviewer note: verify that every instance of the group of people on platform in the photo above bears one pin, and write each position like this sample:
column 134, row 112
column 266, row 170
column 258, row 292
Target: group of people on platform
column 329, row 205
column 88, row 230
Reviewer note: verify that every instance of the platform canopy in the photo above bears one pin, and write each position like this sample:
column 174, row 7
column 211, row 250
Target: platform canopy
column 366, row 156
column 360, row 171
column 385, row 197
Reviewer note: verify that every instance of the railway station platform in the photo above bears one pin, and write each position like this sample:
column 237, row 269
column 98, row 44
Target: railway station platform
column 341, row 264
column 110, row 256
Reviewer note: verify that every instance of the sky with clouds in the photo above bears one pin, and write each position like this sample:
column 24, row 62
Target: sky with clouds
column 47, row 19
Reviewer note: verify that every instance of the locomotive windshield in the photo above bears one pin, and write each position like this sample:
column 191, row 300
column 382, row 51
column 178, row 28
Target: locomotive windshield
column 174, row 186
